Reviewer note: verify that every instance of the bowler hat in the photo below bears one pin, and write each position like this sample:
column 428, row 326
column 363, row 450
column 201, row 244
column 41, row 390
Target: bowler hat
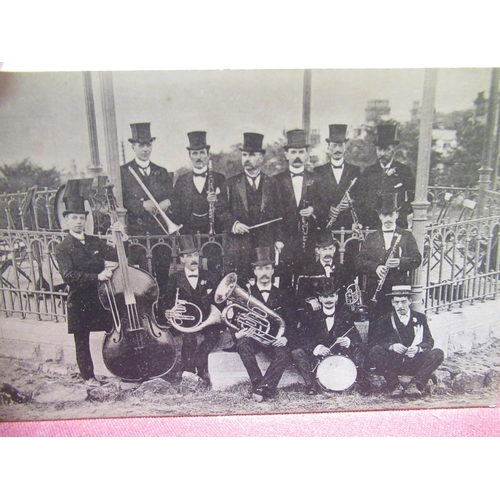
column 337, row 133
column 74, row 205
column 296, row 139
column 386, row 136
column 187, row 244
column 252, row 143
column 387, row 203
column 324, row 239
column 326, row 286
column 262, row 256
column 197, row 140
column 141, row 133
column 400, row 291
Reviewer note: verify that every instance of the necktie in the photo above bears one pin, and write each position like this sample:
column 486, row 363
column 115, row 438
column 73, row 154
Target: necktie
column 328, row 270
column 144, row 171
column 297, row 175
column 253, row 183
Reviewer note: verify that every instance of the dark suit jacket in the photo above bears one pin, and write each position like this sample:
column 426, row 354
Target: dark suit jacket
column 342, row 279
column 159, row 183
column 375, row 182
column 374, row 254
column 185, row 193
column 382, row 332
column 331, row 193
column 79, row 266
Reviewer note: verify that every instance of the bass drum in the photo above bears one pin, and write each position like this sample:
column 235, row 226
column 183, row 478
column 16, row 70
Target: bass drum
column 336, row 373
column 60, row 207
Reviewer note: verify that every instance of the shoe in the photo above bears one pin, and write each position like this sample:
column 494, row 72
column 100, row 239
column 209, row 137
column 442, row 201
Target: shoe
column 412, row 391
column 398, row 391
column 364, row 389
column 312, row 391
column 258, row 398
column 92, row 382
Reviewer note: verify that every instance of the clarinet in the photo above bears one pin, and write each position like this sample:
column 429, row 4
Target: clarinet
column 381, row 281
column 211, row 205
column 304, row 221
column 345, row 197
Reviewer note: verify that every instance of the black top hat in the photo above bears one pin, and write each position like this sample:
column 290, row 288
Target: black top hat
column 187, row 244
column 252, row 143
column 337, row 133
column 296, row 139
column 197, row 140
column 400, row 291
column 262, row 256
column 324, row 239
column 141, row 133
column 326, row 286
column 386, row 136
column 74, row 205
column 387, row 203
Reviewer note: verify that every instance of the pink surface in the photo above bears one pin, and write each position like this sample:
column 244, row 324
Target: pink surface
column 439, row 423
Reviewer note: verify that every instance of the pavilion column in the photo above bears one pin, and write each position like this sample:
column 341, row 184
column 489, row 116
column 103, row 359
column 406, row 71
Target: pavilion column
column 95, row 163
column 111, row 137
column 306, row 104
column 421, row 204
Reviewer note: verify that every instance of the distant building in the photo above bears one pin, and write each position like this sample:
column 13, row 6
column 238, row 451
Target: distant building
column 378, row 110
column 444, row 141
column 415, row 111
column 480, row 105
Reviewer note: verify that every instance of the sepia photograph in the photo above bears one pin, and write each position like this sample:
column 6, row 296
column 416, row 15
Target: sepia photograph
column 242, row 242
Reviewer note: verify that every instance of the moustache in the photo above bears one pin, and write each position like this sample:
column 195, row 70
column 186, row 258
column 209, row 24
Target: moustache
column 298, row 161
column 265, row 276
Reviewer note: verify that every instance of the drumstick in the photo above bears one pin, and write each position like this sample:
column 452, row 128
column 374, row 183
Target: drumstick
column 331, row 347
column 265, row 223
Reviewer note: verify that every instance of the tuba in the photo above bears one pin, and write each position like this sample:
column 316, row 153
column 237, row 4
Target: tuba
column 245, row 311
column 188, row 317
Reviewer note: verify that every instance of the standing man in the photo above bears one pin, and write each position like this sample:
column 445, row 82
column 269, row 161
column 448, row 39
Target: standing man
column 334, row 178
column 376, row 262
column 387, row 176
column 296, row 186
column 81, row 260
column 402, row 344
column 253, row 198
column 140, row 209
column 264, row 386
column 196, row 286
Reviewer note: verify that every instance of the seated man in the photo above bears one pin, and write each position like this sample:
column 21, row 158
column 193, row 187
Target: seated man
column 402, row 344
column 326, row 331
column 248, row 345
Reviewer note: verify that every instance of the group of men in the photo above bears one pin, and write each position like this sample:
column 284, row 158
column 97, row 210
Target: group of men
column 282, row 225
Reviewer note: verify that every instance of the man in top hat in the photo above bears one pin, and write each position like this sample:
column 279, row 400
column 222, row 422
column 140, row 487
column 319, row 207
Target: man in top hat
column 81, row 260
column 297, row 192
column 402, row 344
column 253, row 199
column 192, row 196
column 334, row 178
column 376, row 262
column 140, row 209
column 386, row 176
column 264, row 386
column 326, row 331
column 196, row 286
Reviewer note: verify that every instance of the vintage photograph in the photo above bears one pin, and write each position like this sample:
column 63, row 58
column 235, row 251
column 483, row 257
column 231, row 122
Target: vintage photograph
column 231, row 242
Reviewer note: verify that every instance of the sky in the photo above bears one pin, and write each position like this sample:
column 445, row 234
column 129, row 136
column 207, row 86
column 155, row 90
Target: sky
column 42, row 115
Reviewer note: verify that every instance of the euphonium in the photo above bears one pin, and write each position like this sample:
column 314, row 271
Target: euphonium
column 246, row 312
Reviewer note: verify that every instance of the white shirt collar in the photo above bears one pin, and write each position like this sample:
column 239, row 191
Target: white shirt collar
column 142, row 163
column 296, row 170
column 79, row 237
column 337, row 163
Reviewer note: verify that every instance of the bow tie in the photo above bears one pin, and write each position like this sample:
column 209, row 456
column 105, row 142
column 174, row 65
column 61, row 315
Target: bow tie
column 389, row 231
column 204, row 174
column 297, row 175
column 192, row 275
column 265, row 291
column 337, row 166
column 328, row 265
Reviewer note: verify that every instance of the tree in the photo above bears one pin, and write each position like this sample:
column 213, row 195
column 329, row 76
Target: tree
column 21, row 175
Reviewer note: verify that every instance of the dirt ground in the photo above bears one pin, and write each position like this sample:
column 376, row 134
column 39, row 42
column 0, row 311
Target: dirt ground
column 236, row 400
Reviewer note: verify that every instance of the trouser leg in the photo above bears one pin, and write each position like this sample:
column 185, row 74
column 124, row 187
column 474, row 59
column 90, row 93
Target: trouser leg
column 210, row 340
column 83, row 356
column 247, row 349
column 387, row 363
column 302, row 360
column 423, row 365
column 280, row 359
column 188, row 351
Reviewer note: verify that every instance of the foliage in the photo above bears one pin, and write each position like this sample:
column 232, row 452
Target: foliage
column 20, row 176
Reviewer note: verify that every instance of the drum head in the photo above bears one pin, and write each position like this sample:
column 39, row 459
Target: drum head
column 336, row 373
column 60, row 207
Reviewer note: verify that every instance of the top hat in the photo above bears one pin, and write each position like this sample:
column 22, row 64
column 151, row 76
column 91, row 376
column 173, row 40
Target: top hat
column 400, row 291
column 262, row 256
column 187, row 244
column 252, row 143
column 74, row 205
column 197, row 140
column 326, row 287
column 296, row 139
column 386, row 136
column 337, row 133
column 141, row 133
column 387, row 203
column 324, row 239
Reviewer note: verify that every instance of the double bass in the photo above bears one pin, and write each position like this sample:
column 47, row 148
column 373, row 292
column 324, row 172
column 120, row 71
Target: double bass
column 137, row 348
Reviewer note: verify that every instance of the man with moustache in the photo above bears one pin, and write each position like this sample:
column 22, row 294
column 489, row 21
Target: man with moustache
column 264, row 386
column 297, row 192
column 402, row 344
column 373, row 258
column 197, row 286
column 387, row 176
column 324, row 331
column 252, row 198
column 333, row 179
column 140, row 209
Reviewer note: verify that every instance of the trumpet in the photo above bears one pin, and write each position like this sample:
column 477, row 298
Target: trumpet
column 354, row 297
column 345, row 198
column 171, row 227
column 246, row 312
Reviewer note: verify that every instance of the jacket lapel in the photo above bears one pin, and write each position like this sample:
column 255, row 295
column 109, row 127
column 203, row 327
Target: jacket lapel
column 242, row 191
